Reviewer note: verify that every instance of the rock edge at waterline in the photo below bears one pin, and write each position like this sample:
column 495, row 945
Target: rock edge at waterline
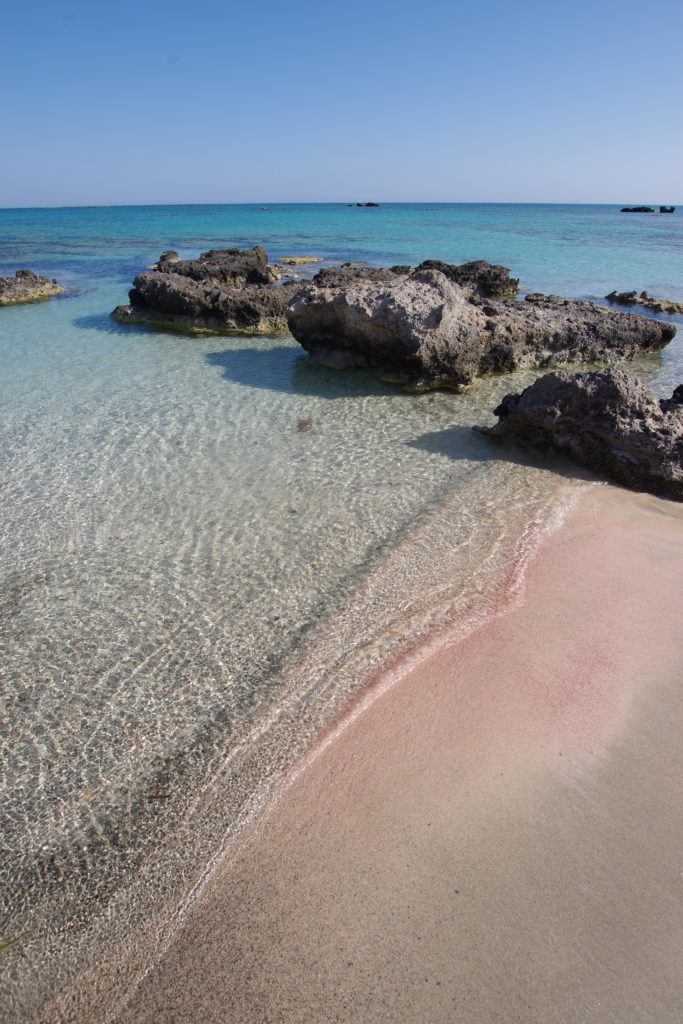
column 605, row 420
column 441, row 326
column 26, row 286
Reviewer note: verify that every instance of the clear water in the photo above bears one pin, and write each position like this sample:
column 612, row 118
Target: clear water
column 191, row 583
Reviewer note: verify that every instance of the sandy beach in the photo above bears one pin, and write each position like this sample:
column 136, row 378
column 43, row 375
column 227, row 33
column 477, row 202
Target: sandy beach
column 496, row 837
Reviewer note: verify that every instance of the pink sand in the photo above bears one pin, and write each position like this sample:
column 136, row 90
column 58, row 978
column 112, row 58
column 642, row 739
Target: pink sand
column 497, row 838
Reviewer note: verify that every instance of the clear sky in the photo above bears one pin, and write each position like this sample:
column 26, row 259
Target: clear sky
column 310, row 100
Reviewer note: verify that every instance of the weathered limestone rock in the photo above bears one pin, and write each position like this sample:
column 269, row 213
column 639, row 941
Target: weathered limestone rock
column 229, row 290
column 606, row 421
column 26, row 286
column 438, row 326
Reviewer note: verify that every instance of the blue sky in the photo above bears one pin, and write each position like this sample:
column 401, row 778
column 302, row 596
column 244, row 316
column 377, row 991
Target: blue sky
column 153, row 102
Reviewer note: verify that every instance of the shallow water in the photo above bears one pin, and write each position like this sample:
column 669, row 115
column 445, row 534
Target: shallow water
column 208, row 543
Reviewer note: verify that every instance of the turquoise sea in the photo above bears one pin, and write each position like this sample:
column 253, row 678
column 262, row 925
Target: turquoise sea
column 192, row 585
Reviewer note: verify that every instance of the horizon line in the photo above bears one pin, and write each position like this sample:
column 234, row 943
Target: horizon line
column 264, row 206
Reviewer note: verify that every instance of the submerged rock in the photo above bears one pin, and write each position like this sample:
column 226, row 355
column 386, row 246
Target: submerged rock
column 225, row 290
column 297, row 261
column 442, row 326
column 606, row 421
column 26, row 286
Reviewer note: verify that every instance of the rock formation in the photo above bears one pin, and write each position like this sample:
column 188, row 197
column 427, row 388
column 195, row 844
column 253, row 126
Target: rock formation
column 224, row 290
column 606, row 421
column 643, row 299
column 637, row 209
column 26, row 286
column 442, row 326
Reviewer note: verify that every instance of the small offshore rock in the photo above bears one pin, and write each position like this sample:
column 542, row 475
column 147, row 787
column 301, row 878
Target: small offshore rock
column 26, row 286
column 632, row 298
column 606, row 421
column 637, row 209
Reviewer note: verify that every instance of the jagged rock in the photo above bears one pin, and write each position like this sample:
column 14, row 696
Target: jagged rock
column 232, row 267
column 637, row 209
column 228, row 290
column 422, row 329
column 643, row 299
column 606, row 421
column 26, row 286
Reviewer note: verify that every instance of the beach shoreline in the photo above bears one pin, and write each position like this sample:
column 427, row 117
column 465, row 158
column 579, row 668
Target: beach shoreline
column 184, row 626
column 493, row 837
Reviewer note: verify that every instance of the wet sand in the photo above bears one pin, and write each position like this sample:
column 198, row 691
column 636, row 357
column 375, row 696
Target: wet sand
column 495, row 838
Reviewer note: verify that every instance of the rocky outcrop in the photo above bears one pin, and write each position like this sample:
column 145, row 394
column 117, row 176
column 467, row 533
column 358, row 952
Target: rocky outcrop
column 667, row 209
column 606, row 421
column 439, row 326
column 637, row 209
column 26, row 286
column 227, row 290
column 643, row 299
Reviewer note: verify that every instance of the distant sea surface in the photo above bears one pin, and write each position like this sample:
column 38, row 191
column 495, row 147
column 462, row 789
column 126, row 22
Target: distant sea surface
column 209, row 543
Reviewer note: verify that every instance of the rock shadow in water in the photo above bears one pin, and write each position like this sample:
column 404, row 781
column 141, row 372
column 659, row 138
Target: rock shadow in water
column 464, row 442
column 287, row 368
column 103, row 322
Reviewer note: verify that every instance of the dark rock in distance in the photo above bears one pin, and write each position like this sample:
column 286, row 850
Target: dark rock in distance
column 605, row 420
column 438, row 326
column 667, row 209
column 26, row 286
column 226, row 290
column 637, row 209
